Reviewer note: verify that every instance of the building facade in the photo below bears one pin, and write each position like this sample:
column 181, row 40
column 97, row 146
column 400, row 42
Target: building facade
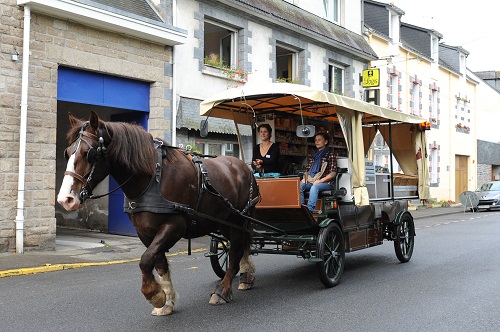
column 421, row 76
column 53, row 53
column 150, row 62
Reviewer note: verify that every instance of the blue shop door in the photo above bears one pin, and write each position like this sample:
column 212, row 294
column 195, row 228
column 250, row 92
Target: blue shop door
column 118, row 222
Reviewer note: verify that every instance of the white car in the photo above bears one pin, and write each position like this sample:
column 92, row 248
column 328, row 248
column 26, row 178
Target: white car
column 489, row 195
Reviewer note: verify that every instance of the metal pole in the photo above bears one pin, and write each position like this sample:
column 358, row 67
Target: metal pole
column 390, row 160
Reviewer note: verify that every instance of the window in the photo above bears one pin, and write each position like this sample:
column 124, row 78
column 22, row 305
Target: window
column 434, row 104
column 220, row 45
column 214, row 149
column 332, row 10
column 286, row 64
column 434, row 49
column 434, row 165
column 416, row 99
column 336, row 79
column 394, row 91
column 394, row 22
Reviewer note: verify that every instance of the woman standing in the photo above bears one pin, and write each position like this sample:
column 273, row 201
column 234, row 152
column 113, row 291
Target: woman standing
column 266, row 155
column 320, row 172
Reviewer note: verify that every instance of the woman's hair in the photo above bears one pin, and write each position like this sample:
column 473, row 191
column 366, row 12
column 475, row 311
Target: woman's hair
column 325, row 136
column 267, row 126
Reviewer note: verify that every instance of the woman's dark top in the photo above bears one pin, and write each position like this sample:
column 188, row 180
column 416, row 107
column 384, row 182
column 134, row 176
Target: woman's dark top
column 271, row 161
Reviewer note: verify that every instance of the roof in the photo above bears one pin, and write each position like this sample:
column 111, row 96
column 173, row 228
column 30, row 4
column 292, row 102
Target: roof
column 416, row 27
column 188, row 116
column 293, row 17
column 488, row 74
column 133, row 18
column 243, row 102
column 139, row 8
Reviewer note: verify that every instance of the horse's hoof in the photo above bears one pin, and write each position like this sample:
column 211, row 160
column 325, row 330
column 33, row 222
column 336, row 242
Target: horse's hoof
column 164, row 311
column 159, row 300
column 243, row 286
column 216, row 299
column 246, row 281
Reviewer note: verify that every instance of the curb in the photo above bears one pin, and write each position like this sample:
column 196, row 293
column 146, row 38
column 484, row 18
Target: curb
column 70, row 266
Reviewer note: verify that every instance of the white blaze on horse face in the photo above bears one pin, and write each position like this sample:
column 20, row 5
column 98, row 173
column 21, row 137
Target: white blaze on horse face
column 66, row 196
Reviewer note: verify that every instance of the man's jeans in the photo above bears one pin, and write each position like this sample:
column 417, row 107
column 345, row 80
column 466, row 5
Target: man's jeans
column 313, row 192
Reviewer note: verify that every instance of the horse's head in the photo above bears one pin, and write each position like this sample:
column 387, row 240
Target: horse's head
column 87, row 164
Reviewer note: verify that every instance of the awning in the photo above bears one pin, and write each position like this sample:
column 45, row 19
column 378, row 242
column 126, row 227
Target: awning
column 292, row 98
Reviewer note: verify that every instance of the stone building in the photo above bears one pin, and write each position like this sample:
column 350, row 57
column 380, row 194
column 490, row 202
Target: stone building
column 73, row 56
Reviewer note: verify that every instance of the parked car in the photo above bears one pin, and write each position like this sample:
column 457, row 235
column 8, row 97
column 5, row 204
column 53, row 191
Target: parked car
column 489, row 195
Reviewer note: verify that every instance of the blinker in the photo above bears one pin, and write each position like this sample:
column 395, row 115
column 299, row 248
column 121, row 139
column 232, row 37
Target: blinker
column 92, row 155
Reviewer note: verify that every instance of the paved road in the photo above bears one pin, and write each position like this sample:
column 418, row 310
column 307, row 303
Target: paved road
column 451, row 284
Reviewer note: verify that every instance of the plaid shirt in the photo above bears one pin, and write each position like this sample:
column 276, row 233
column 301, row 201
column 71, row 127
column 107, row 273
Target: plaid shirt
column 331, row 166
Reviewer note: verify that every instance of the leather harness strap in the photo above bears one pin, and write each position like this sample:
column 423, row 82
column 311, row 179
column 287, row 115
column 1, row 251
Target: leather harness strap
column 151, row 200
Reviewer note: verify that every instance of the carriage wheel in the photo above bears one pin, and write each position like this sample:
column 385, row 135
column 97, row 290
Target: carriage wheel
column 405, row 238
column 330, row 249
column 220, row 260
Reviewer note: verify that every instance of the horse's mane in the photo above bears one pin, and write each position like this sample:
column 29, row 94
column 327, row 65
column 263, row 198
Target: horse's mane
column 131, row 147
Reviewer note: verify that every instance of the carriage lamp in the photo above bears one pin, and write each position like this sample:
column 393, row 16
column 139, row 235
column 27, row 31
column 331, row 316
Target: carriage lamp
column 426, row 125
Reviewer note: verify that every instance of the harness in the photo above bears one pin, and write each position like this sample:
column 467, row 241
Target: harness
column 151, row 200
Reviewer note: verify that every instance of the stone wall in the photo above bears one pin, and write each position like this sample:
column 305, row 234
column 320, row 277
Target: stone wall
column 57, row 42
column 483, row 173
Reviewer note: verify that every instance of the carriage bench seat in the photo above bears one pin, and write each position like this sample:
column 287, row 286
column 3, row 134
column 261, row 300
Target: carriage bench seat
column 335, row 191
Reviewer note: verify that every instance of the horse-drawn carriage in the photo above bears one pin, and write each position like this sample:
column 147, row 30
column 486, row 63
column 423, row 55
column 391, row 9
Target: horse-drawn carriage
column 171, row 193
column 348, row 221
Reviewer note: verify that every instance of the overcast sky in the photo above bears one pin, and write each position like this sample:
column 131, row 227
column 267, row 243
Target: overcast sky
column 472, row 25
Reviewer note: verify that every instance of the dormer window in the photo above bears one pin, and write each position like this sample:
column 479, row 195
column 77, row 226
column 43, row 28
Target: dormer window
column 462, row 64
column 332, row 10
column 394, row 27
column 434, row 49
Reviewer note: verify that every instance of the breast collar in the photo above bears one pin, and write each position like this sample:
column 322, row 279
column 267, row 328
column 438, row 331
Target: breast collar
column 151, row 199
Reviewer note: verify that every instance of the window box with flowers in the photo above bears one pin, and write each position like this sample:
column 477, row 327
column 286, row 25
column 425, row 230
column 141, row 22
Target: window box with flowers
column 462, row 128
column 216, row 67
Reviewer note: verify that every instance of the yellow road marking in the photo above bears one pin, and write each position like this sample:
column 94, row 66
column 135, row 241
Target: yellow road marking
column 69, row 266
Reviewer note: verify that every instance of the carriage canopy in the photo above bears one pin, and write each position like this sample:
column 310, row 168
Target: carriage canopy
column 359, row 122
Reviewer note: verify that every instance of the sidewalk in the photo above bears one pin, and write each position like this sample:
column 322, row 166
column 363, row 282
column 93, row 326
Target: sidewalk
column 80, row 248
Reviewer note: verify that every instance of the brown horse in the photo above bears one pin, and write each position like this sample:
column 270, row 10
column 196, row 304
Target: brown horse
column 168, row 195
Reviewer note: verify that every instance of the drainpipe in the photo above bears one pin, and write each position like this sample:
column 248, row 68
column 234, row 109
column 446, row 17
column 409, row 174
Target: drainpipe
column 174, row 80
column 22, row 133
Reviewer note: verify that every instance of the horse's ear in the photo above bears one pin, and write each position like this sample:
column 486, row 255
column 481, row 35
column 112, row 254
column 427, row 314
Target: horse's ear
column 94, row 120
column 72, row 120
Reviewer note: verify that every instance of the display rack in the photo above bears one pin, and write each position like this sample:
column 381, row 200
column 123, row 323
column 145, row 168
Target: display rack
column 296, row 149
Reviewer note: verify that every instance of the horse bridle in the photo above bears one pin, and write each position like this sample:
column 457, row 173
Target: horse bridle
column 92, row 156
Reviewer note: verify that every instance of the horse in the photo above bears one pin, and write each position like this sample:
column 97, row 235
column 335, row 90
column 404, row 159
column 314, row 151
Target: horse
column 169, row 194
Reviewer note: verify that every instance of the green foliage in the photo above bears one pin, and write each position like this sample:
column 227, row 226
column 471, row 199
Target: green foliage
column 233, row 73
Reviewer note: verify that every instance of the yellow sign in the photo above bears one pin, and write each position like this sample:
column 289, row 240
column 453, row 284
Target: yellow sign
column 371, row 78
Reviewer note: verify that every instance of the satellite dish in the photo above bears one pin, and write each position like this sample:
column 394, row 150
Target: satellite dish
column 469, row 199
